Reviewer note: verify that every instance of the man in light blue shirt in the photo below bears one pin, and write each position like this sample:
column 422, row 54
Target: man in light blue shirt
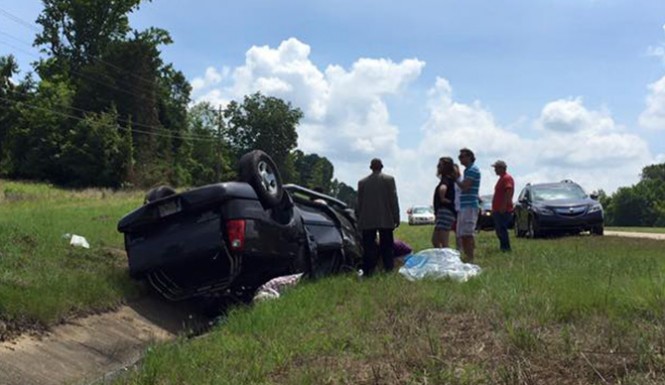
column 467, row 216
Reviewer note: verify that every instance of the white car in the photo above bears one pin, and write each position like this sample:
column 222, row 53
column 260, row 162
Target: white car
column 421, row 215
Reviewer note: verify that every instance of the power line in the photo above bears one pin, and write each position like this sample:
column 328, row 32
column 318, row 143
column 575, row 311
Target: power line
column 120, row 119
column 18, row 20
column 31, row 26
column 131, row 130
column 15, row 38
column 92, row 79
column 18, row 48
column 85, row 76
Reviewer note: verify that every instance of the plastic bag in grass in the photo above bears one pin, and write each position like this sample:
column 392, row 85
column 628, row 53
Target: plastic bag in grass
column 438, row 263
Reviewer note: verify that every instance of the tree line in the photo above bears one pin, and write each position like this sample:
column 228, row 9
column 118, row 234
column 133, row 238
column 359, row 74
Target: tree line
column 642, row 204
column 107, row 111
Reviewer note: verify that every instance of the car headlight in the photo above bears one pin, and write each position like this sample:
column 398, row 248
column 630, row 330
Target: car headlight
column 595, row 207
column 543, row 210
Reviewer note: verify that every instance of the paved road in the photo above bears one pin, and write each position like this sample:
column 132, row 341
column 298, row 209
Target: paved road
column 636, row 235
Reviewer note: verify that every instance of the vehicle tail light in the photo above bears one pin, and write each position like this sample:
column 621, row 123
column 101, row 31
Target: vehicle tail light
column 236, row 231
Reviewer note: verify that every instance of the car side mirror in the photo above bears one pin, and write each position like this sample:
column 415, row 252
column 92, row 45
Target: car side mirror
column 593, row 196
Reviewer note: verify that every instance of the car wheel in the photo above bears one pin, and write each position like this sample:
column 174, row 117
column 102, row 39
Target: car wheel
column 158, row 193
column 518, row 233
column 260, row 171
column 598, row 230
column 532, row 229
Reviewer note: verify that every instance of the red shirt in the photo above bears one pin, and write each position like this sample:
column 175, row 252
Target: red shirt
column 502, row 186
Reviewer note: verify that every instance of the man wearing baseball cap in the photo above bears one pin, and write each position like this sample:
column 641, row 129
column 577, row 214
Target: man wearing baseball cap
column 502, row 203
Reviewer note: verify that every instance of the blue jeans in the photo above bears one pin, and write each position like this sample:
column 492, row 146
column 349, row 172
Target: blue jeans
column 501, row 221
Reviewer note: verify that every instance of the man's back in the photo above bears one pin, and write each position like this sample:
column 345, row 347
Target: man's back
column 377, row 202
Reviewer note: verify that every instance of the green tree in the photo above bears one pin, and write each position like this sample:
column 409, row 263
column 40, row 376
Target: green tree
column 654, row 172
column 345, row 193
column 77, row 32
column 8, row 99
column 211, row 156
column 313, row 170
column 264, row 123
column 109, row 67
column 35, row 142
column 95, row 152
column 629, row 208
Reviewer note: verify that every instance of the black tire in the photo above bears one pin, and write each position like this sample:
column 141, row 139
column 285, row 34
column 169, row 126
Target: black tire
column 518, row 233
column 260, row 171
column 598, row 230
column 158, row 193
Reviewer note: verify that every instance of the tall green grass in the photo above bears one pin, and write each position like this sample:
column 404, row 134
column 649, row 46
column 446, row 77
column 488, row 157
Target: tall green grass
column 567, row 310
column 563, row 310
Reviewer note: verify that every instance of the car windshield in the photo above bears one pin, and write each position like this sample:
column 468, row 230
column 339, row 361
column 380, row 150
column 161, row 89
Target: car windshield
column 421, row 210
column 558, row 191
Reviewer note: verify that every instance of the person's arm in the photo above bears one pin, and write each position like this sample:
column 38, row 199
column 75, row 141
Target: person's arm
column 361, row 191
column 507, row 198
column 395, row 202
column 465, row 185
column 509, row 190
column 442, row 194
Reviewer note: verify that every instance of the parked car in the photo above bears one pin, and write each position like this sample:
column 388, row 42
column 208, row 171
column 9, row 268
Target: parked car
column 227, row 239
column 421, row 215
column 561, row 207
column 485, row 220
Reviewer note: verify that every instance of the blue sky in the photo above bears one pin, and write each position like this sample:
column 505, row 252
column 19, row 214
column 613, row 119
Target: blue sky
column 570, row 89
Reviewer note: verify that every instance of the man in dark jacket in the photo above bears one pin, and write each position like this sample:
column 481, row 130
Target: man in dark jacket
column 378, row 211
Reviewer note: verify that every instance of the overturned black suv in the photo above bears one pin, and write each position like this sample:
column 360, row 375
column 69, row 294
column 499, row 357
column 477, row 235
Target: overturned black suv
column 227, row 239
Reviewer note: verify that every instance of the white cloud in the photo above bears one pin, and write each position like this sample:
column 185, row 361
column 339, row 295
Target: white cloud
column 345, row 111
column 586, row 146
column 570, row 116
column 212, row 77
column 653, row 116
column 347, row 120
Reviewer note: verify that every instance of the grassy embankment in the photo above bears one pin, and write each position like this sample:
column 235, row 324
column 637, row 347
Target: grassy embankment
column 556, row 311
column 567, row 310
column 42, row 278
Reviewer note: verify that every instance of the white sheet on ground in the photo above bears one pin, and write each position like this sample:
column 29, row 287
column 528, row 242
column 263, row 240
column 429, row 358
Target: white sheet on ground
column 275, row 287
column 438, row 263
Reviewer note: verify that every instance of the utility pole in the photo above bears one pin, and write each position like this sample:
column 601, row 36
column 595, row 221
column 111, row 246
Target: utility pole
column 218, row 170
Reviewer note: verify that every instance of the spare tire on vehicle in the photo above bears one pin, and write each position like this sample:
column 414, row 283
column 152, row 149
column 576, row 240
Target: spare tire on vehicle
column 259, row 170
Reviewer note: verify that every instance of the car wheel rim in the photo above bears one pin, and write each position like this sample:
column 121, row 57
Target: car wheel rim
column 268, row 178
